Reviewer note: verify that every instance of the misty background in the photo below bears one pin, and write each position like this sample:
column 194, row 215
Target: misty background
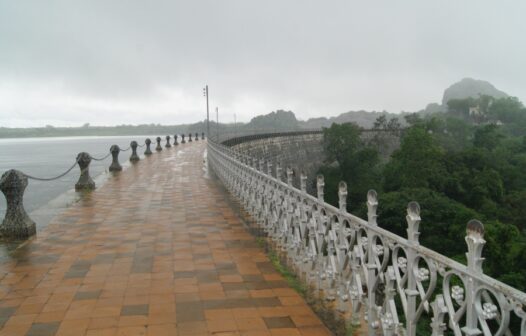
column 67, row 63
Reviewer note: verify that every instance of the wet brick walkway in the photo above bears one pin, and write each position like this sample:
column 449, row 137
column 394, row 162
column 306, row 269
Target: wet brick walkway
column 155, row 251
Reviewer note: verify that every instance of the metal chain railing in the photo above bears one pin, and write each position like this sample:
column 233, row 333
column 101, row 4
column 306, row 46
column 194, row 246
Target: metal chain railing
column 17, row 224
column 51, row 178
column 100, row 159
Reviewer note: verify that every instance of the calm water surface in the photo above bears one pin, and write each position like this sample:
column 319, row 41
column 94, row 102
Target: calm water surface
column 48, row 157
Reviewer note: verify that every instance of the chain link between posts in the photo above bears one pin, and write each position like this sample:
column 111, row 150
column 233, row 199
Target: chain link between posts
column 100, row 159
column 50, row 178
column 73, row 166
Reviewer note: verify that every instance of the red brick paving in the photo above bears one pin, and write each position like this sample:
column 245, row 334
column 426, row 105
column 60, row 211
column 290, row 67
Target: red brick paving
column 155, row 251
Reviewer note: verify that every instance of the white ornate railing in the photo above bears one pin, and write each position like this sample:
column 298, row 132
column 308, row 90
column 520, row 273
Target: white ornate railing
column 357, row 264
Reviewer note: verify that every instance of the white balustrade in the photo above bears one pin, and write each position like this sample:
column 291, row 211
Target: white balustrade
column 364, row 268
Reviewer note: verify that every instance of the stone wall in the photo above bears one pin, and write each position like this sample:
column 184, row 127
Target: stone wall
column 303, row 150
column 298, row 150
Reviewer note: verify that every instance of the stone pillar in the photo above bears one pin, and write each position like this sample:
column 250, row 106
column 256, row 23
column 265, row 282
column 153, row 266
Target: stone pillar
column 202, row 135
column 168, row 145
column 196, row 136
column 182, row 137
column 134, row 157
column 16, row 223
column 175, row 140
column 85, row 182
column 148, row 151
column 189, row 137
column 159, row 147
column 115, row 165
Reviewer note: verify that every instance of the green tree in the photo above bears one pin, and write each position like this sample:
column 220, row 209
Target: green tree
column 417, row 164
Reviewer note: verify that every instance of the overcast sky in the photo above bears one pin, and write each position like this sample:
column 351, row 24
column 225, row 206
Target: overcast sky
column 113, row 62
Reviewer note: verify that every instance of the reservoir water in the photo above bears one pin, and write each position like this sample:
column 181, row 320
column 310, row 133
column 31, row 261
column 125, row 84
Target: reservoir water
column 48, row 157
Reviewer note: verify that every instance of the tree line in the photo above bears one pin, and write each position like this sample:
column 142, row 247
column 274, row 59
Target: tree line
column 468, row 162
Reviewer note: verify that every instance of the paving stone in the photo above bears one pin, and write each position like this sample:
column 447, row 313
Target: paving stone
column 155, row 249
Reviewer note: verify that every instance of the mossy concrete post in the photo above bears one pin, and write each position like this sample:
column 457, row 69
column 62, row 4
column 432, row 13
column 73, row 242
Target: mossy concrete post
column 175, row 140
column 134, row 157
column 189, row 137
column 115, row 165
column 159, row 147
column 196, row 136
column 202, row 135
column 16, row 223
column 85, row 181
column 148, row 151
column 182, row 137
column 168, row 145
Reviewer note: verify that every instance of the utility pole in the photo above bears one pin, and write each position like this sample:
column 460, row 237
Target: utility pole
column 205, row 93
column 235, row 126
column 217, row 124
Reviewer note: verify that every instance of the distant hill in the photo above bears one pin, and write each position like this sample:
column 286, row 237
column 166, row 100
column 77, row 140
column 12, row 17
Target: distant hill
column 469, row 87
column 279, row 120
column 364, row 119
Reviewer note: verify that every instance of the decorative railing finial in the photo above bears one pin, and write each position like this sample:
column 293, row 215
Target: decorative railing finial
column 475, row 241
column 290, row 173
column 372, row 205
column 342, row 196
column 303, row 181
column 413, row 222
column 320, row 184
column 279, row 172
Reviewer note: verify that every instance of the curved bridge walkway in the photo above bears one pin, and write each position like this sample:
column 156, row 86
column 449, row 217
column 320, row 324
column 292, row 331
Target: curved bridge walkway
column 155, row 251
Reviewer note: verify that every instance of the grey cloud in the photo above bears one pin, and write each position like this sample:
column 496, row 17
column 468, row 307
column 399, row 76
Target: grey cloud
column 315, row 58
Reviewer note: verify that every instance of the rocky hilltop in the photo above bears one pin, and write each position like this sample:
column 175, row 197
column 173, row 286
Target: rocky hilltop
column 469, row 87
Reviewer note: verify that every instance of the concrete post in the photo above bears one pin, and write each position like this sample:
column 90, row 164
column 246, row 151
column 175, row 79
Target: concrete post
column 159, row 147
column 134, row 157
column 148, row 151
column 196, row 136
column 189, row 137
column 115, row 165
column 175, row 140
column 168, row 145
column 16, row 223
column 182, row 137
column 85, row 182
column 202, row 135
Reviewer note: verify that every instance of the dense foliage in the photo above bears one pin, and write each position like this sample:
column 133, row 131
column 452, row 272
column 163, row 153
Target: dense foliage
column 458, row 165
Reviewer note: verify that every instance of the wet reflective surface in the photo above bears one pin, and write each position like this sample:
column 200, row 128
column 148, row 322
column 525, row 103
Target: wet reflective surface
column 156, row 250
